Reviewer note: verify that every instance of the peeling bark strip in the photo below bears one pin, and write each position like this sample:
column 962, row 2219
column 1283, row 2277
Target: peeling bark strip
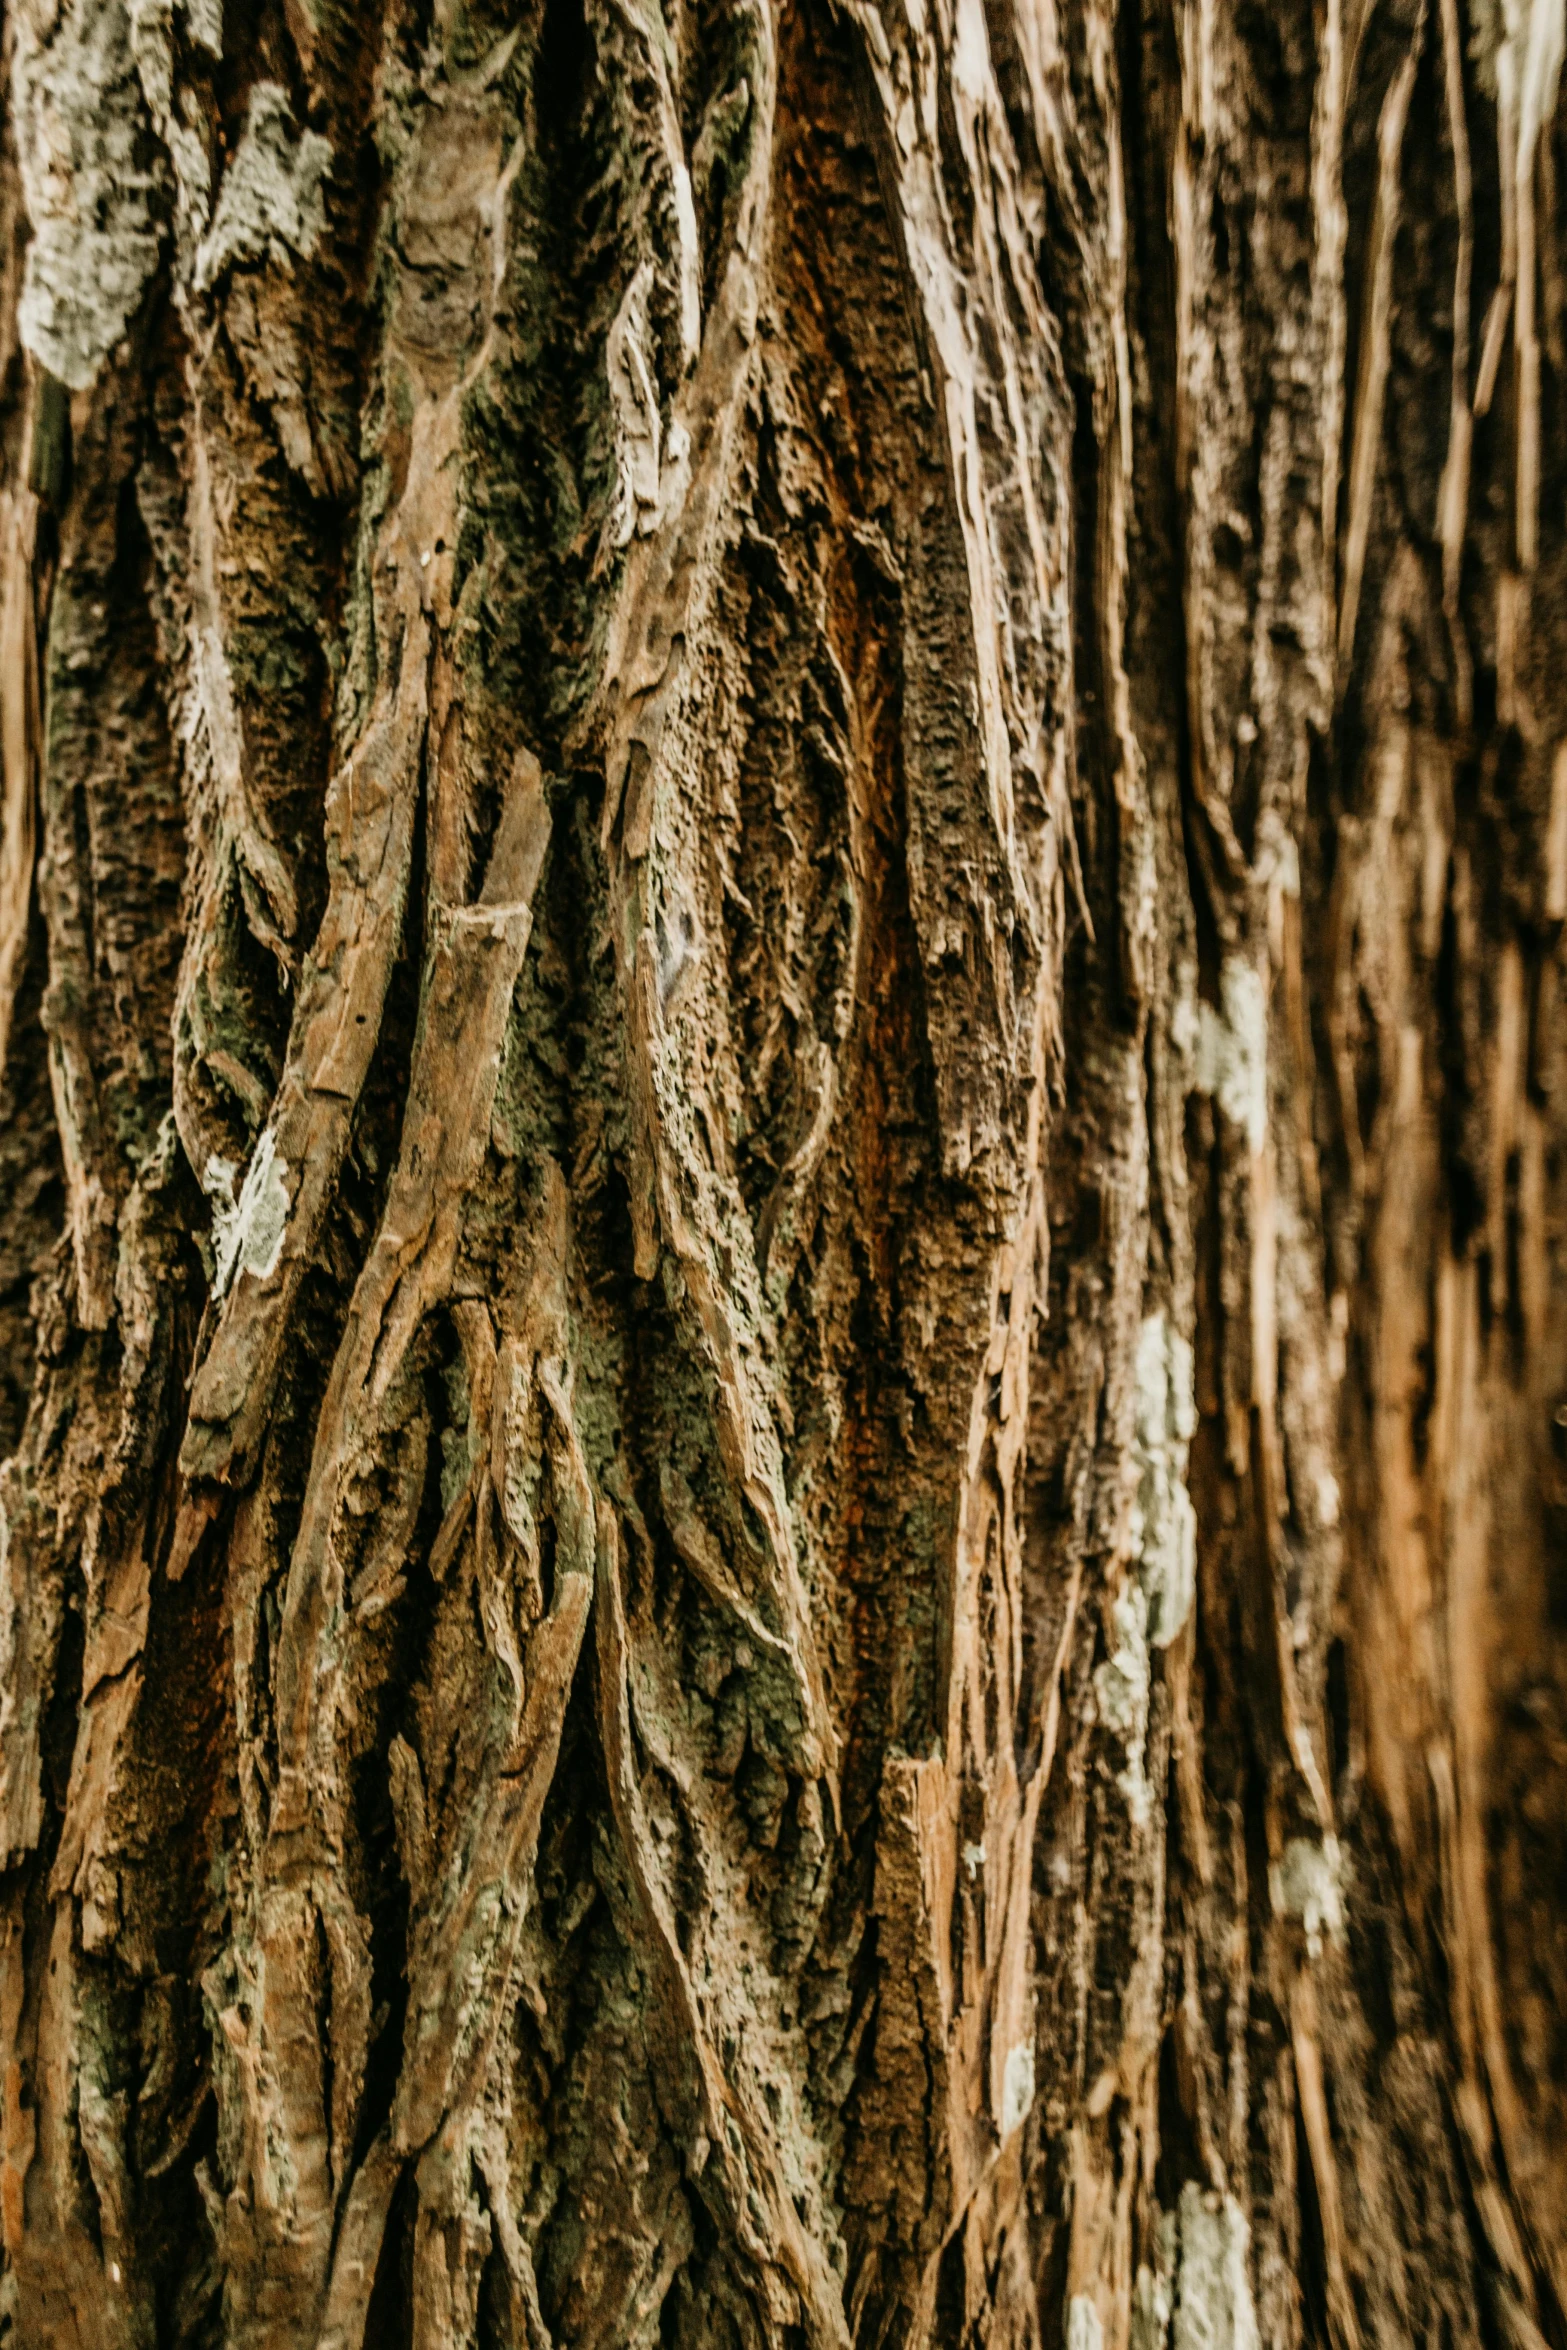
column 783, row 852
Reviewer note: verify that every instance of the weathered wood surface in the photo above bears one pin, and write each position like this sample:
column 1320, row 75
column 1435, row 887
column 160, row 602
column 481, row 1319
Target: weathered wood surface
column 783, row 848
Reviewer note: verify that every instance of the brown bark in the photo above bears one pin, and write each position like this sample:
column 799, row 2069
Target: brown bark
column 783, row 847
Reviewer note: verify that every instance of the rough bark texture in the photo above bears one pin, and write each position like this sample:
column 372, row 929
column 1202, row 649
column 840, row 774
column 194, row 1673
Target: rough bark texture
column 783, row 1262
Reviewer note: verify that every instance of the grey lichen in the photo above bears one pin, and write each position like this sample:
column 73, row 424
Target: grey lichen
column 1017, row 2087
column 1213, row 2307
column 1232, row 1049
column 176, row 113
column 271, row 201
column 1164, row 1522
column 1121, row 1688
column 94, row 97
column 1084, row 2326
column 92, row 181
column 248, row 1236
column 1308, row 1883
column 1517, row 48
column 1156, row 1599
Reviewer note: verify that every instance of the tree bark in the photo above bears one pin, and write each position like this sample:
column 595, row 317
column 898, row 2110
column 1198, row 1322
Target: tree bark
column 784, row 1171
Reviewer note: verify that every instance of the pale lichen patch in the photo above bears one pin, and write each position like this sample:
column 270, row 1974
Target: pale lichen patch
column 248, row 1237
column 1517, row 46
column 175, row 112
column 1213, row 2308
column 1084, row 2326
column 1308, row 1883
column 1121, row 1688
column 90, row 180
column 271, row 202
column 1232, row 1049
column 1164, row 1522
column 1017, row 2087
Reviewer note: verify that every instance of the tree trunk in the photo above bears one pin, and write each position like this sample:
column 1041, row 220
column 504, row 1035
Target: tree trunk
column 784, row 1252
